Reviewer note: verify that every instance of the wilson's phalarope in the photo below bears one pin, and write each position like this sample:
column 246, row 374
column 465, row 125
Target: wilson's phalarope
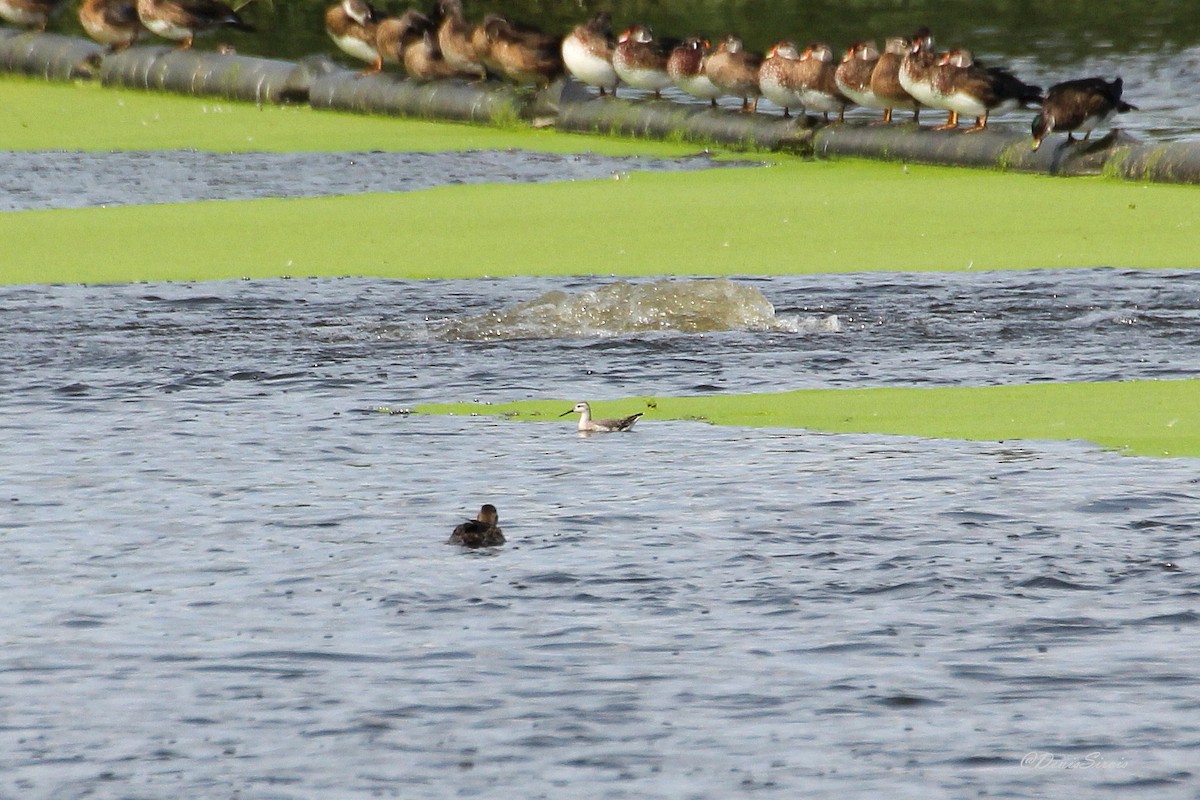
column 479, row 532
column 589, row 425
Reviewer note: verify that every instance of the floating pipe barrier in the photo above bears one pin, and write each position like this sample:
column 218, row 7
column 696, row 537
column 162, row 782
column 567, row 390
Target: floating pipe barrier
column 48, row 55
column 569, row 106
column 255, row 80
column 990, row 148
column 663, row 119
column 336, row 88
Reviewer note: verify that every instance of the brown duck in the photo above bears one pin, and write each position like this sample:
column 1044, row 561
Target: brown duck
column 1079, row 105
column 885, row 80
column 686, row 66
column 966, row 88
column 734, row 70
column 183, row 20
column 454, row 39
column 853, row 75
column 779, row 77
column 483, row 531
column 523, row 55
column 640, row 60
column 818, row 82
column 113, row 23
column 917, row 68
column 353, row 25
column 587, row 53
column 410, row 40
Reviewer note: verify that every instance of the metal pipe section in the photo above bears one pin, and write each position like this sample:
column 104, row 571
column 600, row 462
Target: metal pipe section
column 48, row 55
column 332, row 87
column 255, row 80
column 693, row 122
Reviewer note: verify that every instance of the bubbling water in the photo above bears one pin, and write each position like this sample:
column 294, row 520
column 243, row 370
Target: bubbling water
column 687, row 306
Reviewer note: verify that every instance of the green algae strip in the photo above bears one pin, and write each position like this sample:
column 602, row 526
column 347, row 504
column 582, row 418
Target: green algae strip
column 37, row 115
column 1148, row 418
column 792, row 217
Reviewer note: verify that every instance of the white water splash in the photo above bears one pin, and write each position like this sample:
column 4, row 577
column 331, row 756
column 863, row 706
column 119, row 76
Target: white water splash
column 688, row 306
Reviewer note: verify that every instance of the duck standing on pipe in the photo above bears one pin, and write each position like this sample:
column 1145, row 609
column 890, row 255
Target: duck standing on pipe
column 885, row 81
column 779, row 77
column 686, row 66
column 183, row 20
column 521, row 54
column 33, row 14
column 734, row 70
column 966, row 88
column 1079, row 105
column 641, row 60
column 454, row 39
column 114, row 23
column 587, row 53
column 353, row 25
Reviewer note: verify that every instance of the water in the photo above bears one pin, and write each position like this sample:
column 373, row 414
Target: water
column 72, row 179
column 226, row 573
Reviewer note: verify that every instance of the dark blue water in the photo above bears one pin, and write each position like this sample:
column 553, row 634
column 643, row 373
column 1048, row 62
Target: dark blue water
column 225, row 573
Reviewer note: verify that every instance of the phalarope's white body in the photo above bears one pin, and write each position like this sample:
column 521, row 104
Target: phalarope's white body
column 589, row 425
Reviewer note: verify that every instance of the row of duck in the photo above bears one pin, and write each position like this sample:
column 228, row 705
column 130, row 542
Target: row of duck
column 907, row 75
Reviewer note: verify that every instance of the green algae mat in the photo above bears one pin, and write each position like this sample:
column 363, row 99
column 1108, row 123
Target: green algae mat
column 1151, row 418
column 788, row 216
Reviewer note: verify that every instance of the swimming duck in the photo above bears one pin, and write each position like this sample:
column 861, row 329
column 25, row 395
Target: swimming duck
column 818, row 82
column 1079, row 105
column 589, row 425
column 853, row 75
column 640, row 61
column 353, row 24
column 111, row 22
column 885, row 80
column 183, row 20
column 779, row 77
column 522, row 54
column 454, row 39
column 481, row 531
column 587, row 53
column 734, row 70
column 33, row 14
column 968, row 88
column 685, row 65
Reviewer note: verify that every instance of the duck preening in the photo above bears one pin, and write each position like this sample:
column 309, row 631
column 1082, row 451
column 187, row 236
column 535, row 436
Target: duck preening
column 483, row 531
column 353, row 25
column 1079, row 105
column 521, row 54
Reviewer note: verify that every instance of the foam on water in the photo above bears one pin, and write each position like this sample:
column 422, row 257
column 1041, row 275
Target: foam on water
column 616, row 309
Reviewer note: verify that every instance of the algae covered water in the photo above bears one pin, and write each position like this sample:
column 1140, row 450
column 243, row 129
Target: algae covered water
column 226, row 572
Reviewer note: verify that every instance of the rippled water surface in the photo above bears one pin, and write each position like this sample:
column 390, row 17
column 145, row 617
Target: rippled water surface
column 225, row 573
column 70, row 179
